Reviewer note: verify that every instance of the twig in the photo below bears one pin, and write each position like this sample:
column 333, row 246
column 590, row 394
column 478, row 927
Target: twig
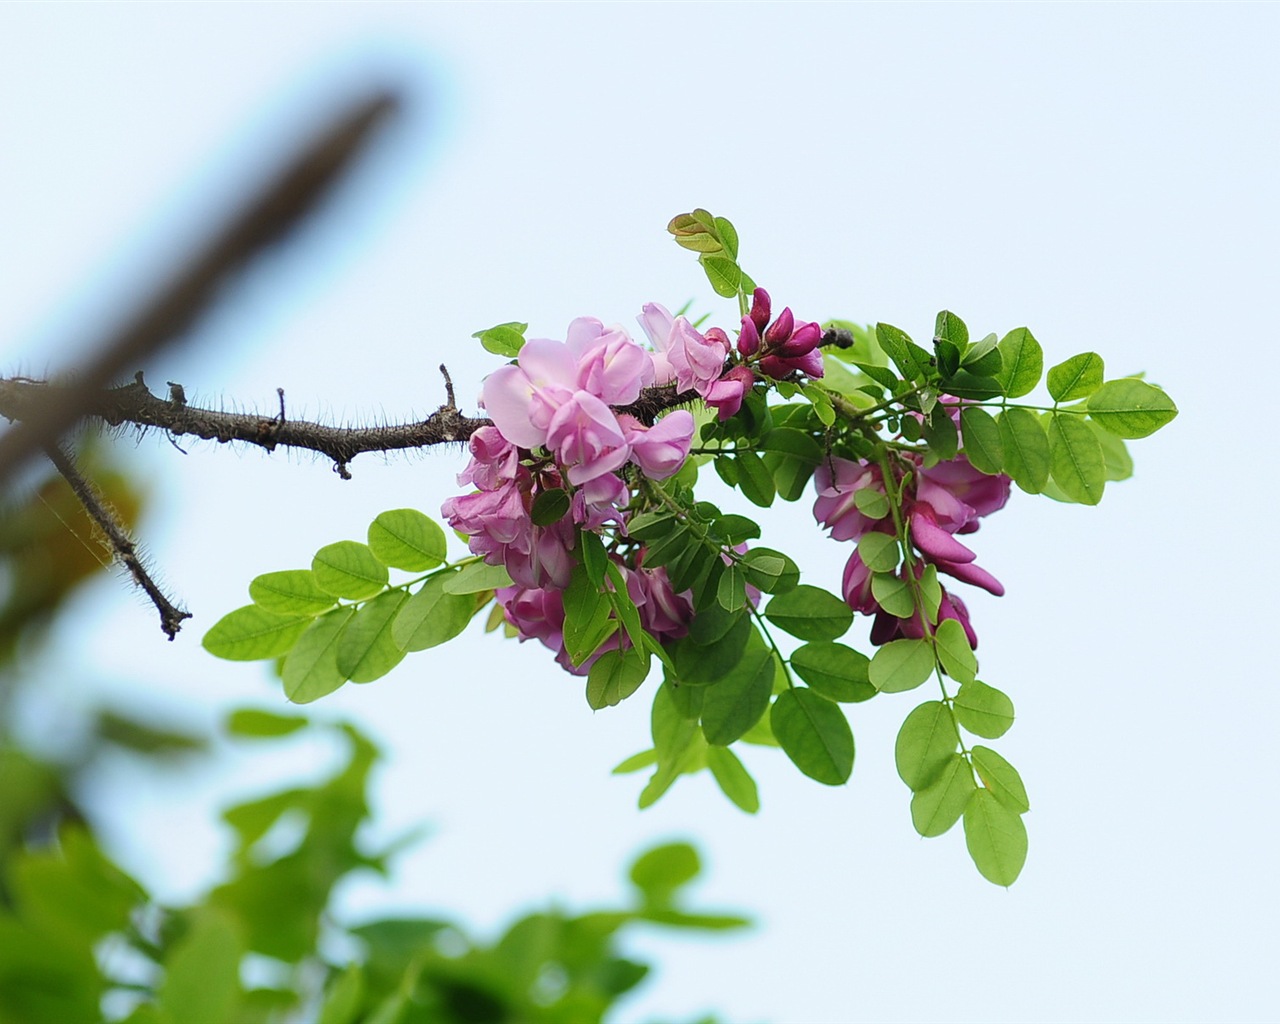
column 121, row 543
column 22, row 399
column 266, row 218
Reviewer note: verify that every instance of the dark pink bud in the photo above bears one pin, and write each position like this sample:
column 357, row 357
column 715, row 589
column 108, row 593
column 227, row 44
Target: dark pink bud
column 804, row 339
column 749, row 339
column 780, row 330
column 760, row 308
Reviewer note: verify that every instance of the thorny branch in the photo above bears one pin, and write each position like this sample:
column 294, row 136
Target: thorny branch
column 21, row 398
column 121, row 543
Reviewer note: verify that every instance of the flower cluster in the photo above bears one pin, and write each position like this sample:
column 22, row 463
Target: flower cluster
column 940, row 501
column 557, row 428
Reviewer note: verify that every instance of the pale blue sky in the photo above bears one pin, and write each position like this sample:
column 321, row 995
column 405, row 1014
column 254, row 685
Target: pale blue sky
column 1103, row 174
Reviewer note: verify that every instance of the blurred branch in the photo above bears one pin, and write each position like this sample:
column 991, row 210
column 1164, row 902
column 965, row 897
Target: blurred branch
column 276, row 207
column 22, row 399
column 122, row 545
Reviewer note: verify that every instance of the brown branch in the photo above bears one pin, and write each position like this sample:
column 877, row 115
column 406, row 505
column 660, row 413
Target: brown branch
column 23, row 399
column 276, row 207
column 121, row 543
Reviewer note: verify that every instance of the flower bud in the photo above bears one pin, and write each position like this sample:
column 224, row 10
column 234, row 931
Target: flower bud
column 780, row 330
column 749, row 339
column 804, row 339
column 718, row 335
column 760, row 308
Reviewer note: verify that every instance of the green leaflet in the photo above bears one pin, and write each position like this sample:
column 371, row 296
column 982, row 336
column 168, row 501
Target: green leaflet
column 586, row 617
column 925, row 743
column 983, row 710
column 253, row 722
column 996, row 838
column 901, row 665
column 367, row 650
column 349, row 569
column 954, row 651
column 404, row 538
column 939, row 805
column 251, row 632
column 769, row 570
column 810, row 613
column 432, row 615
column 202, row 972
column 477, row 578
column 982, row 443
column 814, row 733
column 1026, row 449
column 1076, row 459
column 835, row 671
column 660, row 872
column 1131, row 408
column 699, row 664
column 311, row 669
column 1021, row 363
column 879, row 551
column 504, row 339
column 290, row 592
column 614, row 677
column 754, row 479
column 733, row 779
column 733, row 704
column 1077, row 377
column 1001, row 778
column 893, row 594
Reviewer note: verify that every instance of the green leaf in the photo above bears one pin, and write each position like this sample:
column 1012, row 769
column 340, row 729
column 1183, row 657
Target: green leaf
column 404, row 538
column 1130, row 407
column 879, row 551
column 614, row 677
column 624, row 609
column 649, row 526
column 954, row 651
column 984, row 710
column 791, row 456
column 1116, row 459
column 1026, row 449
column 504, row 340
column 344, row 997
column 586, row 617
column 871, row 503
column 982, row 443
column 810, row 613
column 754, row 479
column 202, row 973
column 1078, row 377
column 367, row 650
column 659, row 873
column 901, row 349
column 349, row 569
column 770, row 571
column 731, row 590
column 835, row 671
column 980, row 350
column 723, row 274
column 736, row 702
column 1021, row 363
column 1076, row 459
column 931, row 592
column 550, row 506
column 893, row 594
column 940, row 431
column 733, row 779
column 925, row 743
column 814, row 733
column 996, row 838
column 1001, row 778
column 291, row 592
column 432, row 616
column 939, row 805
column 964, row 384
column 477, row 578
column 734, row 528
column 901, row 665
column 668, row 548
column 949, row 327
column 699, row 664
column 252, row 722
column 687, row 700
column 728, row 235
column 636, row 762
column 311, row 669
column 251, row 632
column 593, row 557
